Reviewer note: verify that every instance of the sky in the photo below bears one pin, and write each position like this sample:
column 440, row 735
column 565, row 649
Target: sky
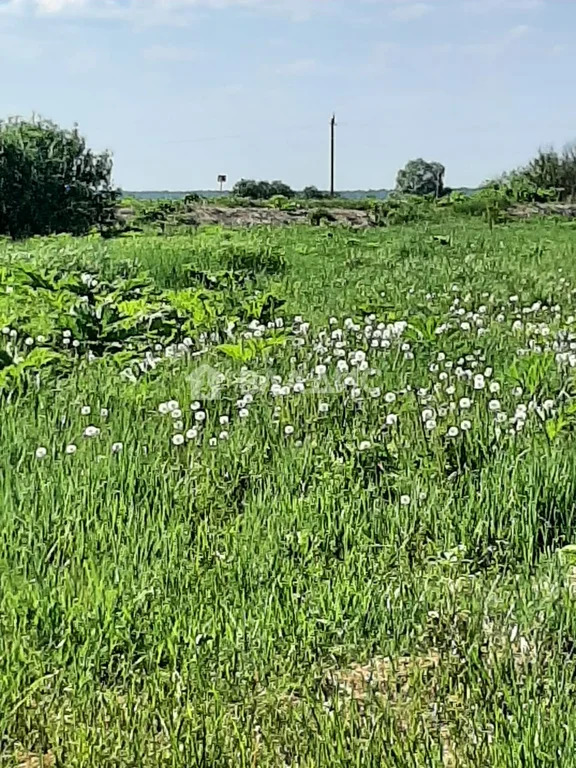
column 183, row 90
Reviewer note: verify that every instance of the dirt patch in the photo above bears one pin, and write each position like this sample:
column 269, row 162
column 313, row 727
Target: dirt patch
column 252, row 217
column 528, row 211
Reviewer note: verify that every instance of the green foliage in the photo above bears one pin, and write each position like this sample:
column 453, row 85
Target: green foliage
column 261, row 190
column 253, row 538
column 50, row 182
column 420, row 177
column 313, row 193
column 317, row 215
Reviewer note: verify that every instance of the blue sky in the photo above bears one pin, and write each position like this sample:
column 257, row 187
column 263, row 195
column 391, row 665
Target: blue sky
column 182, row 90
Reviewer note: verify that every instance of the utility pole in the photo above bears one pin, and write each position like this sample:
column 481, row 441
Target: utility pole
column 332, row 132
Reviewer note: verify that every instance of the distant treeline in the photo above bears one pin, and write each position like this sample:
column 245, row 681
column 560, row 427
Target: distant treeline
column 349, row 194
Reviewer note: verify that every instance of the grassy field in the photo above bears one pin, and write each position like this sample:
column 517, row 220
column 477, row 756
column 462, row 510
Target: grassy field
column 292, row 497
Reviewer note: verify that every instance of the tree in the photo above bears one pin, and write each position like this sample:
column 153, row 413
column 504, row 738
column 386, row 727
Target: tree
column 50, row 182
column 313, row 193
column 261, row 190
column 420, row 177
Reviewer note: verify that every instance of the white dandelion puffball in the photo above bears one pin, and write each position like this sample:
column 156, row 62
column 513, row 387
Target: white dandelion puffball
column 163, row 408
column 178, row 439
column 224, row 420
column 390, row 397
column 430, row 425
column 176, row 413
column 323, row 407
column 41, row 453
column 466, row 425
column 178, row 426
column 104, row 413
column 375, row 393
column 405, row 500
column 288, row 430
column 298, row 388
column 465, row 403
column 200, row 416
column 479, row 381
column 365, row 445
column 391, row 419
column 117, row 447
column 243, row 413
column 192, row 434
column 195, row 406
column 224, row 435
column 320, row 370
column 71, row 449
column 427, row 414
column 494, row 387
column 85, row 410
column 91, row 431
column 453, row 432
column 172, row 405
column 494, row 405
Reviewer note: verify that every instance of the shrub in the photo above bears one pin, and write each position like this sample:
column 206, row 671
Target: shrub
column 50, row 182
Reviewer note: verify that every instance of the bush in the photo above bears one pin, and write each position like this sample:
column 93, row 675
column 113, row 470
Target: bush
column 261, row 190
column 50, row 182
column 318, row 215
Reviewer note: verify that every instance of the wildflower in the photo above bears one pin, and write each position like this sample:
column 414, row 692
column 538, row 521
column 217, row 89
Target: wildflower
column 430, row 425
column 342, row 366
column 465, row 403
column 390, row 398
column 299, row 387
column 224, row 435
column 479, row 381
column 356, row 393
column 391, row 419
column 195, row 406
column 349, row 381
column 494, row 387
column 548, row 405
column 453, row 432
column 427, row 414
column 104, row 413
column 243, row 413
column 224, row 420
column 405, row 500
column 192, row 434
column 178, row 425
column 85, row 410
column 176, row 413
column 178, row 439
column 212, row 442
column 494, row 405
column 466, row 425
column 408, row 355
column 28, row 341
column 517, row 391
column 91, row 431
column 117, row 447
column 375, row 393
column 320, row 370
column 6, row 330
column 71, row 449
column 41, row 453
column 501, row 418
column 288, row 430
column 323, row 407
column 450, row 390
column 163, row 408
column 365, row 445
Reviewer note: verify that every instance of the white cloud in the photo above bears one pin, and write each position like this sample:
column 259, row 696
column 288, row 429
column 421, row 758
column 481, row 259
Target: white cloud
column 491, row 6
column 410, row 11
column 158, row 9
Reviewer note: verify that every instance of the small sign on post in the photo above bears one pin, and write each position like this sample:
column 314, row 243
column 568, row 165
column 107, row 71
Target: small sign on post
column 222, row 180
